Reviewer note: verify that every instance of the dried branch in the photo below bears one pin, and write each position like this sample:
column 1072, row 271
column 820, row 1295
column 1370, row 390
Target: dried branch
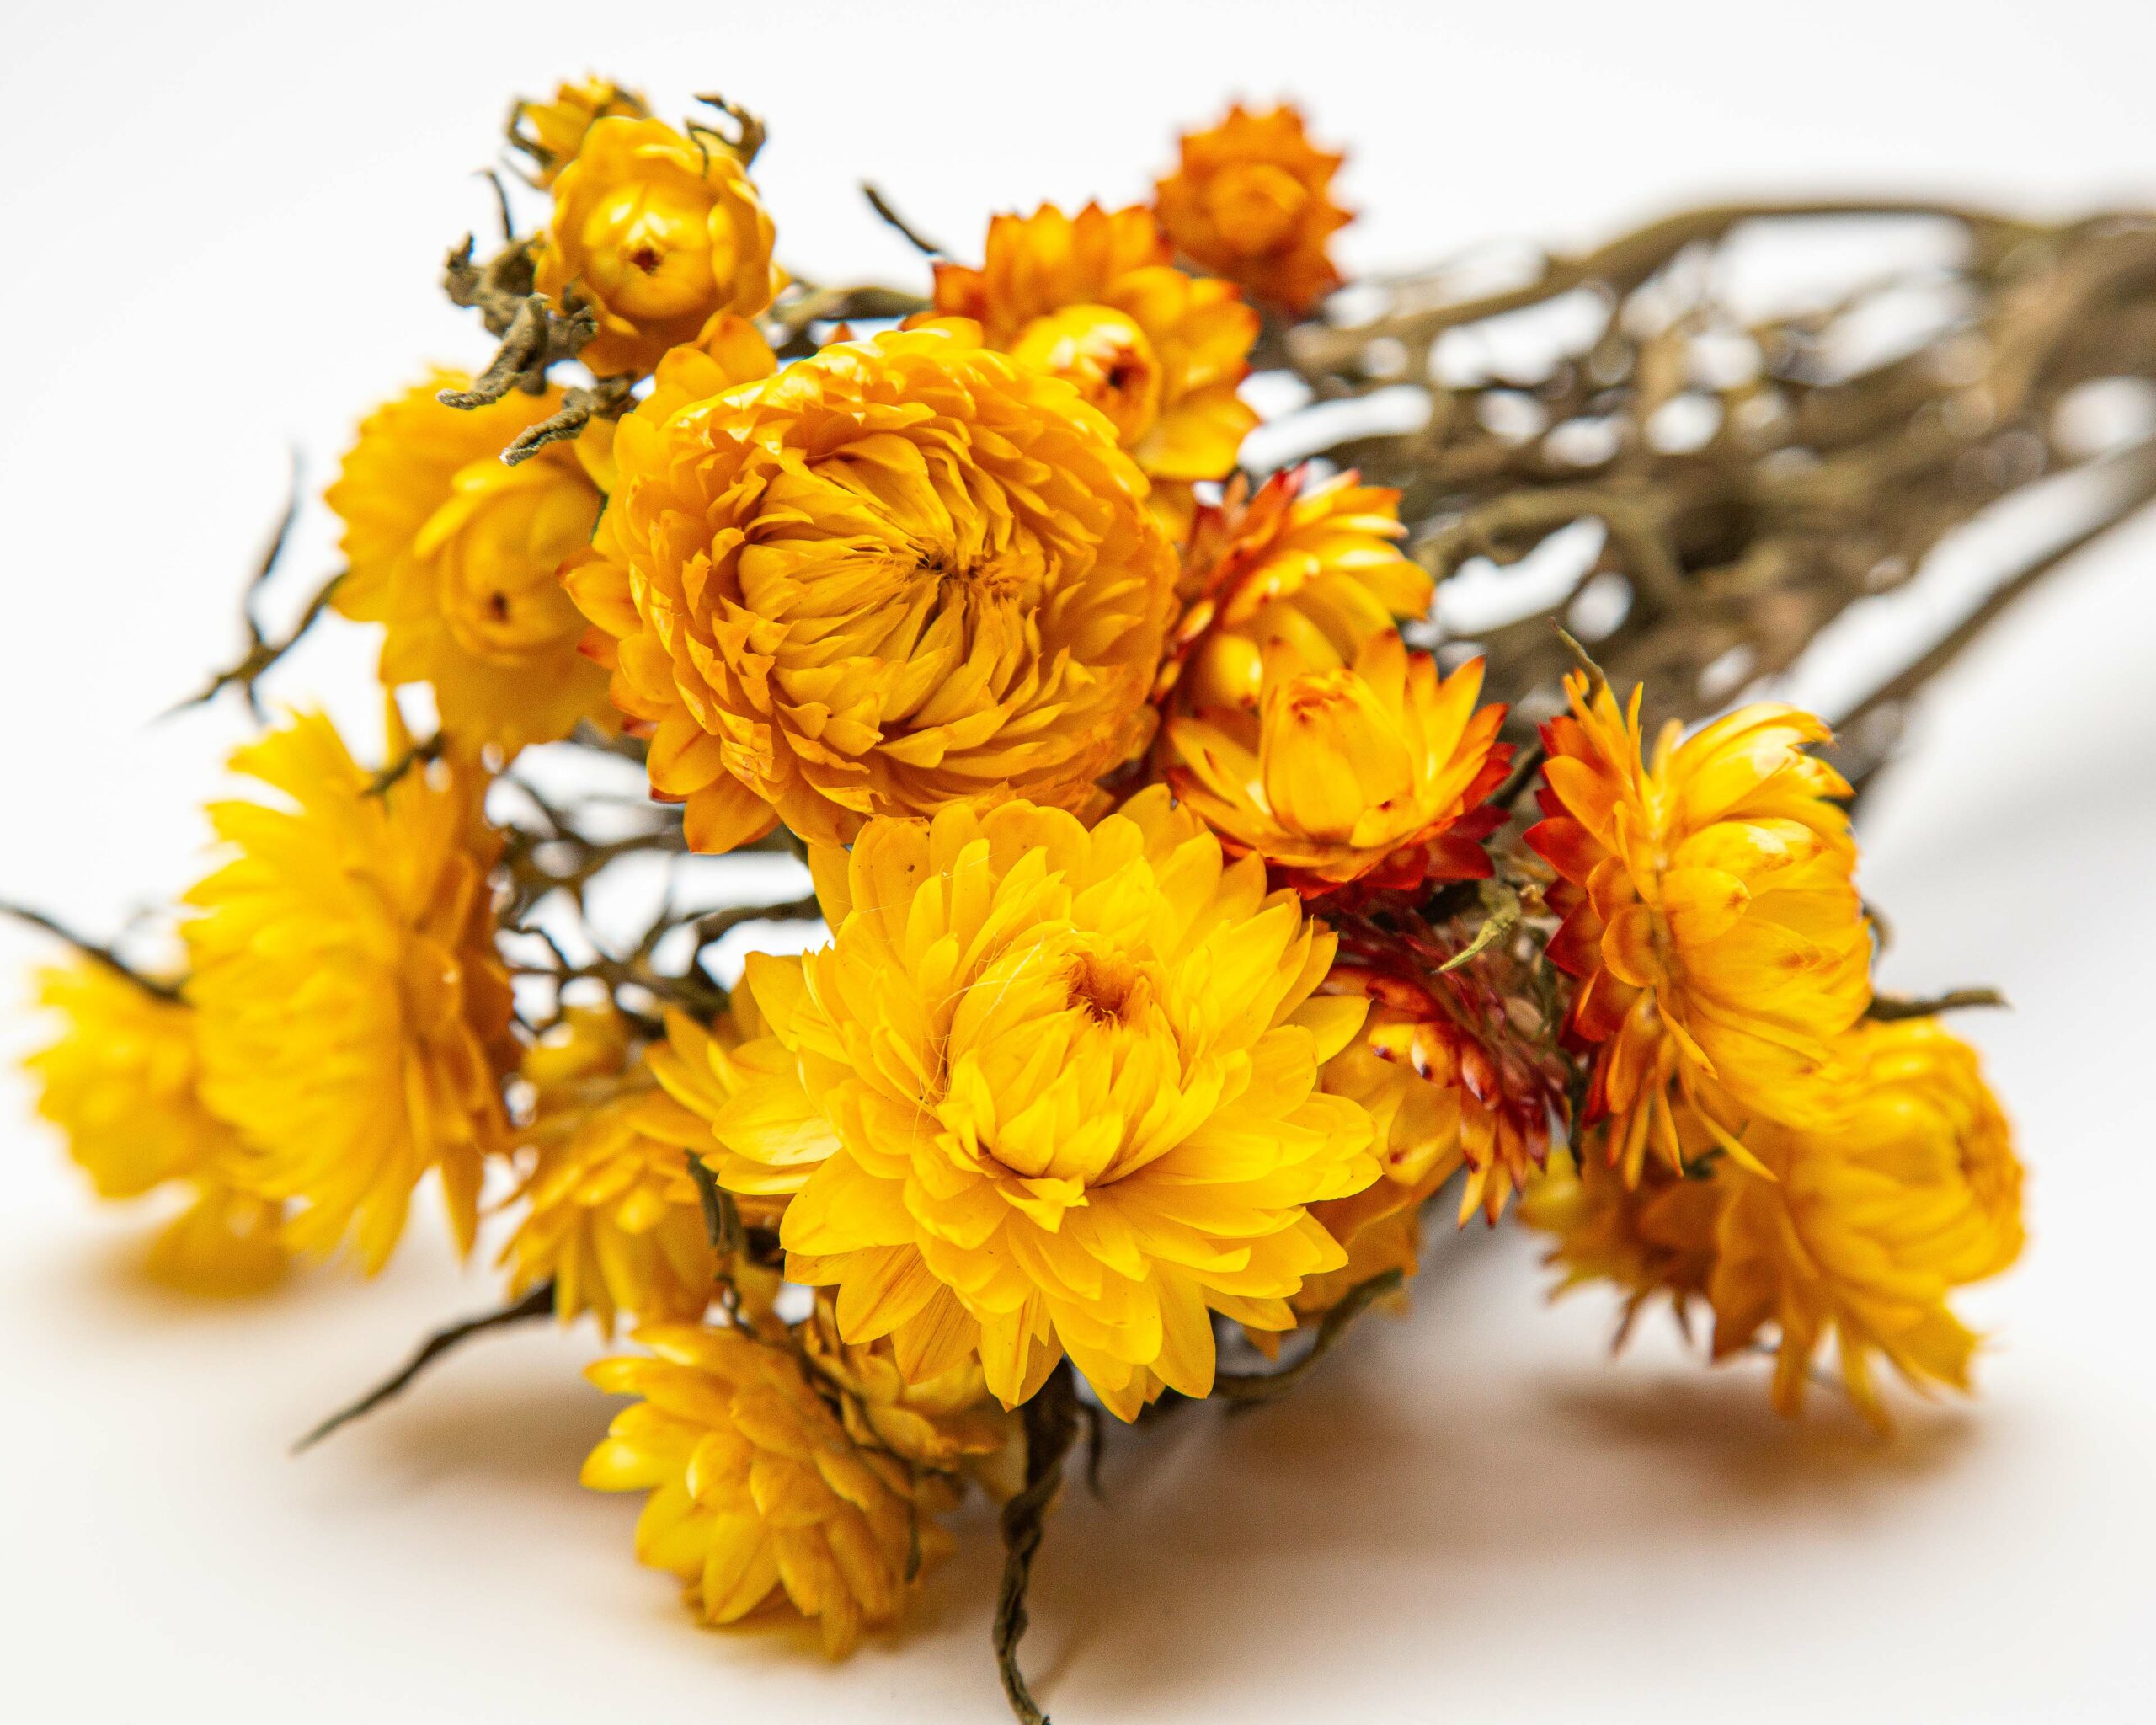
column 534, row 334
column 538, row 1303
column 1255, row 1386
column 910, row 234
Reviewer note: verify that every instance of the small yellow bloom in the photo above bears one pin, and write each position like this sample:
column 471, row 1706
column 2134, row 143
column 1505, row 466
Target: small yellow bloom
column 1094, row 298
column 1312, row 563
column 458, row 555
column 1374, row 770
column 1710, row 916
column 755, row 1487
column 1252, row 199
column 1856, row 1232
column 902, row 574
column 551, row 133
column 1049, row 1091
column 122, row 1082
column 613, row 1218
column 353, row 1017
column 661, row 235
column 949, row 1422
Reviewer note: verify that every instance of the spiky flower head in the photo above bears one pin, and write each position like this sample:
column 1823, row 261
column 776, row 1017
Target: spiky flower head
column 122, row 1082
column 1312, row 561
column 1710, row 914
column 1095, row 298
column 1049, row 1091
column 756, row 1487
column 353, row 1015
column 1251, row 199
column 458, row 556
column 905, row 573
column 1371, row 770
column 661, row 235
column 549, row 134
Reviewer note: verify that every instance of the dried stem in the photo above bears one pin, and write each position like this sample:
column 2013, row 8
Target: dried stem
column 1051, row 1421
column 1889, row 1008
column 1255, row 1386
column 907, row 232
column 90, row 950
column 538, row 1303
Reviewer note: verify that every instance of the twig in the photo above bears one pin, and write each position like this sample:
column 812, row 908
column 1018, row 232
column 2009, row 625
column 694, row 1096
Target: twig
column 1051, row 1421
column 722, row 1227
column 1892, row 1008
column 418, row 755
column 1255, row 1386
column 538, row 1303
column 90, row 950
column 912, row 236
column 1525, row 766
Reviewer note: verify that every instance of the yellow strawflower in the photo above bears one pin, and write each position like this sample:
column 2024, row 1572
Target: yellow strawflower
column 611, row 1214
column 1855, row 1233
column 904, row 574
column 121, row 1081
column 949, row 1422
column 756, row 1487
column 1710, row 916
column 1371, row 770
column 1095, row 298
column 353, row 1017
column 661, row 235
column 551, row 133
column 1049, row 1091
column 1319, row 563
column 458, row 556
column 1251, row 199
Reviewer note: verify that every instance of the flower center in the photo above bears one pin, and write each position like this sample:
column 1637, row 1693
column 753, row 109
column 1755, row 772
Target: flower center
column 1256, row 205
column 649, row 250
column 1106, row 356
column 1108, row 987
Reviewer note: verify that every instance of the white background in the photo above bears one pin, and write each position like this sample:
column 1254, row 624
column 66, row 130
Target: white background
column 221, row 226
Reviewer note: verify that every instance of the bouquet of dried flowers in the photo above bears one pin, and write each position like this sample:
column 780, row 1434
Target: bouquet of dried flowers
column 1225, row 843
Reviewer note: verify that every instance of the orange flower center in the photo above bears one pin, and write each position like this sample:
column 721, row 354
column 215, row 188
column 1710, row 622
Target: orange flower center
column 651, row 250
column 1256, row 205
column 1106, row 356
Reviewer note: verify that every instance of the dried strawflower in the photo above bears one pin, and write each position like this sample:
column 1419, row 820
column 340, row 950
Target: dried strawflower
column 1252, row 199
column 1051, row 1091
column 1307, row 559
column 457, row 555
column 1710, row 914
column 904, row 575
column 122, row 1083
column 1094, row 298
column 756, row 1488
column 1374, row 770
column 660, row 235
column 353, row 1015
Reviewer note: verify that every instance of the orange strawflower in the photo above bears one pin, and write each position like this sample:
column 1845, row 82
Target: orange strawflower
column 1094, row 298
column 1710, row 914
column 1251, row 199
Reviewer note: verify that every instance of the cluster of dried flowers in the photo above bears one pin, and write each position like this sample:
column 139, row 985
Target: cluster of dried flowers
column 1194, row 920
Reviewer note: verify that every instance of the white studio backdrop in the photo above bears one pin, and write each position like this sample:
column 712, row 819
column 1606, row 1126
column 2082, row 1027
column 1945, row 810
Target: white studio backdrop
column 222, row 225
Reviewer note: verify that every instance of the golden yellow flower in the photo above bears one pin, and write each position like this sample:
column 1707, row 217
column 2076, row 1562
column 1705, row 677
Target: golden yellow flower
column 1252, row 199
column 756, row 1487
column 1049, row 1091
column 904, row 574
column 1373, row 769
column 1313, row 562
column 122, row 1083
column 551, row 133
column 353, row 1014
column 1095, row 298
column 1710, row 914
column 1856, row 1232
column 661, row 235
column 612, row 1216
column 458, row 555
